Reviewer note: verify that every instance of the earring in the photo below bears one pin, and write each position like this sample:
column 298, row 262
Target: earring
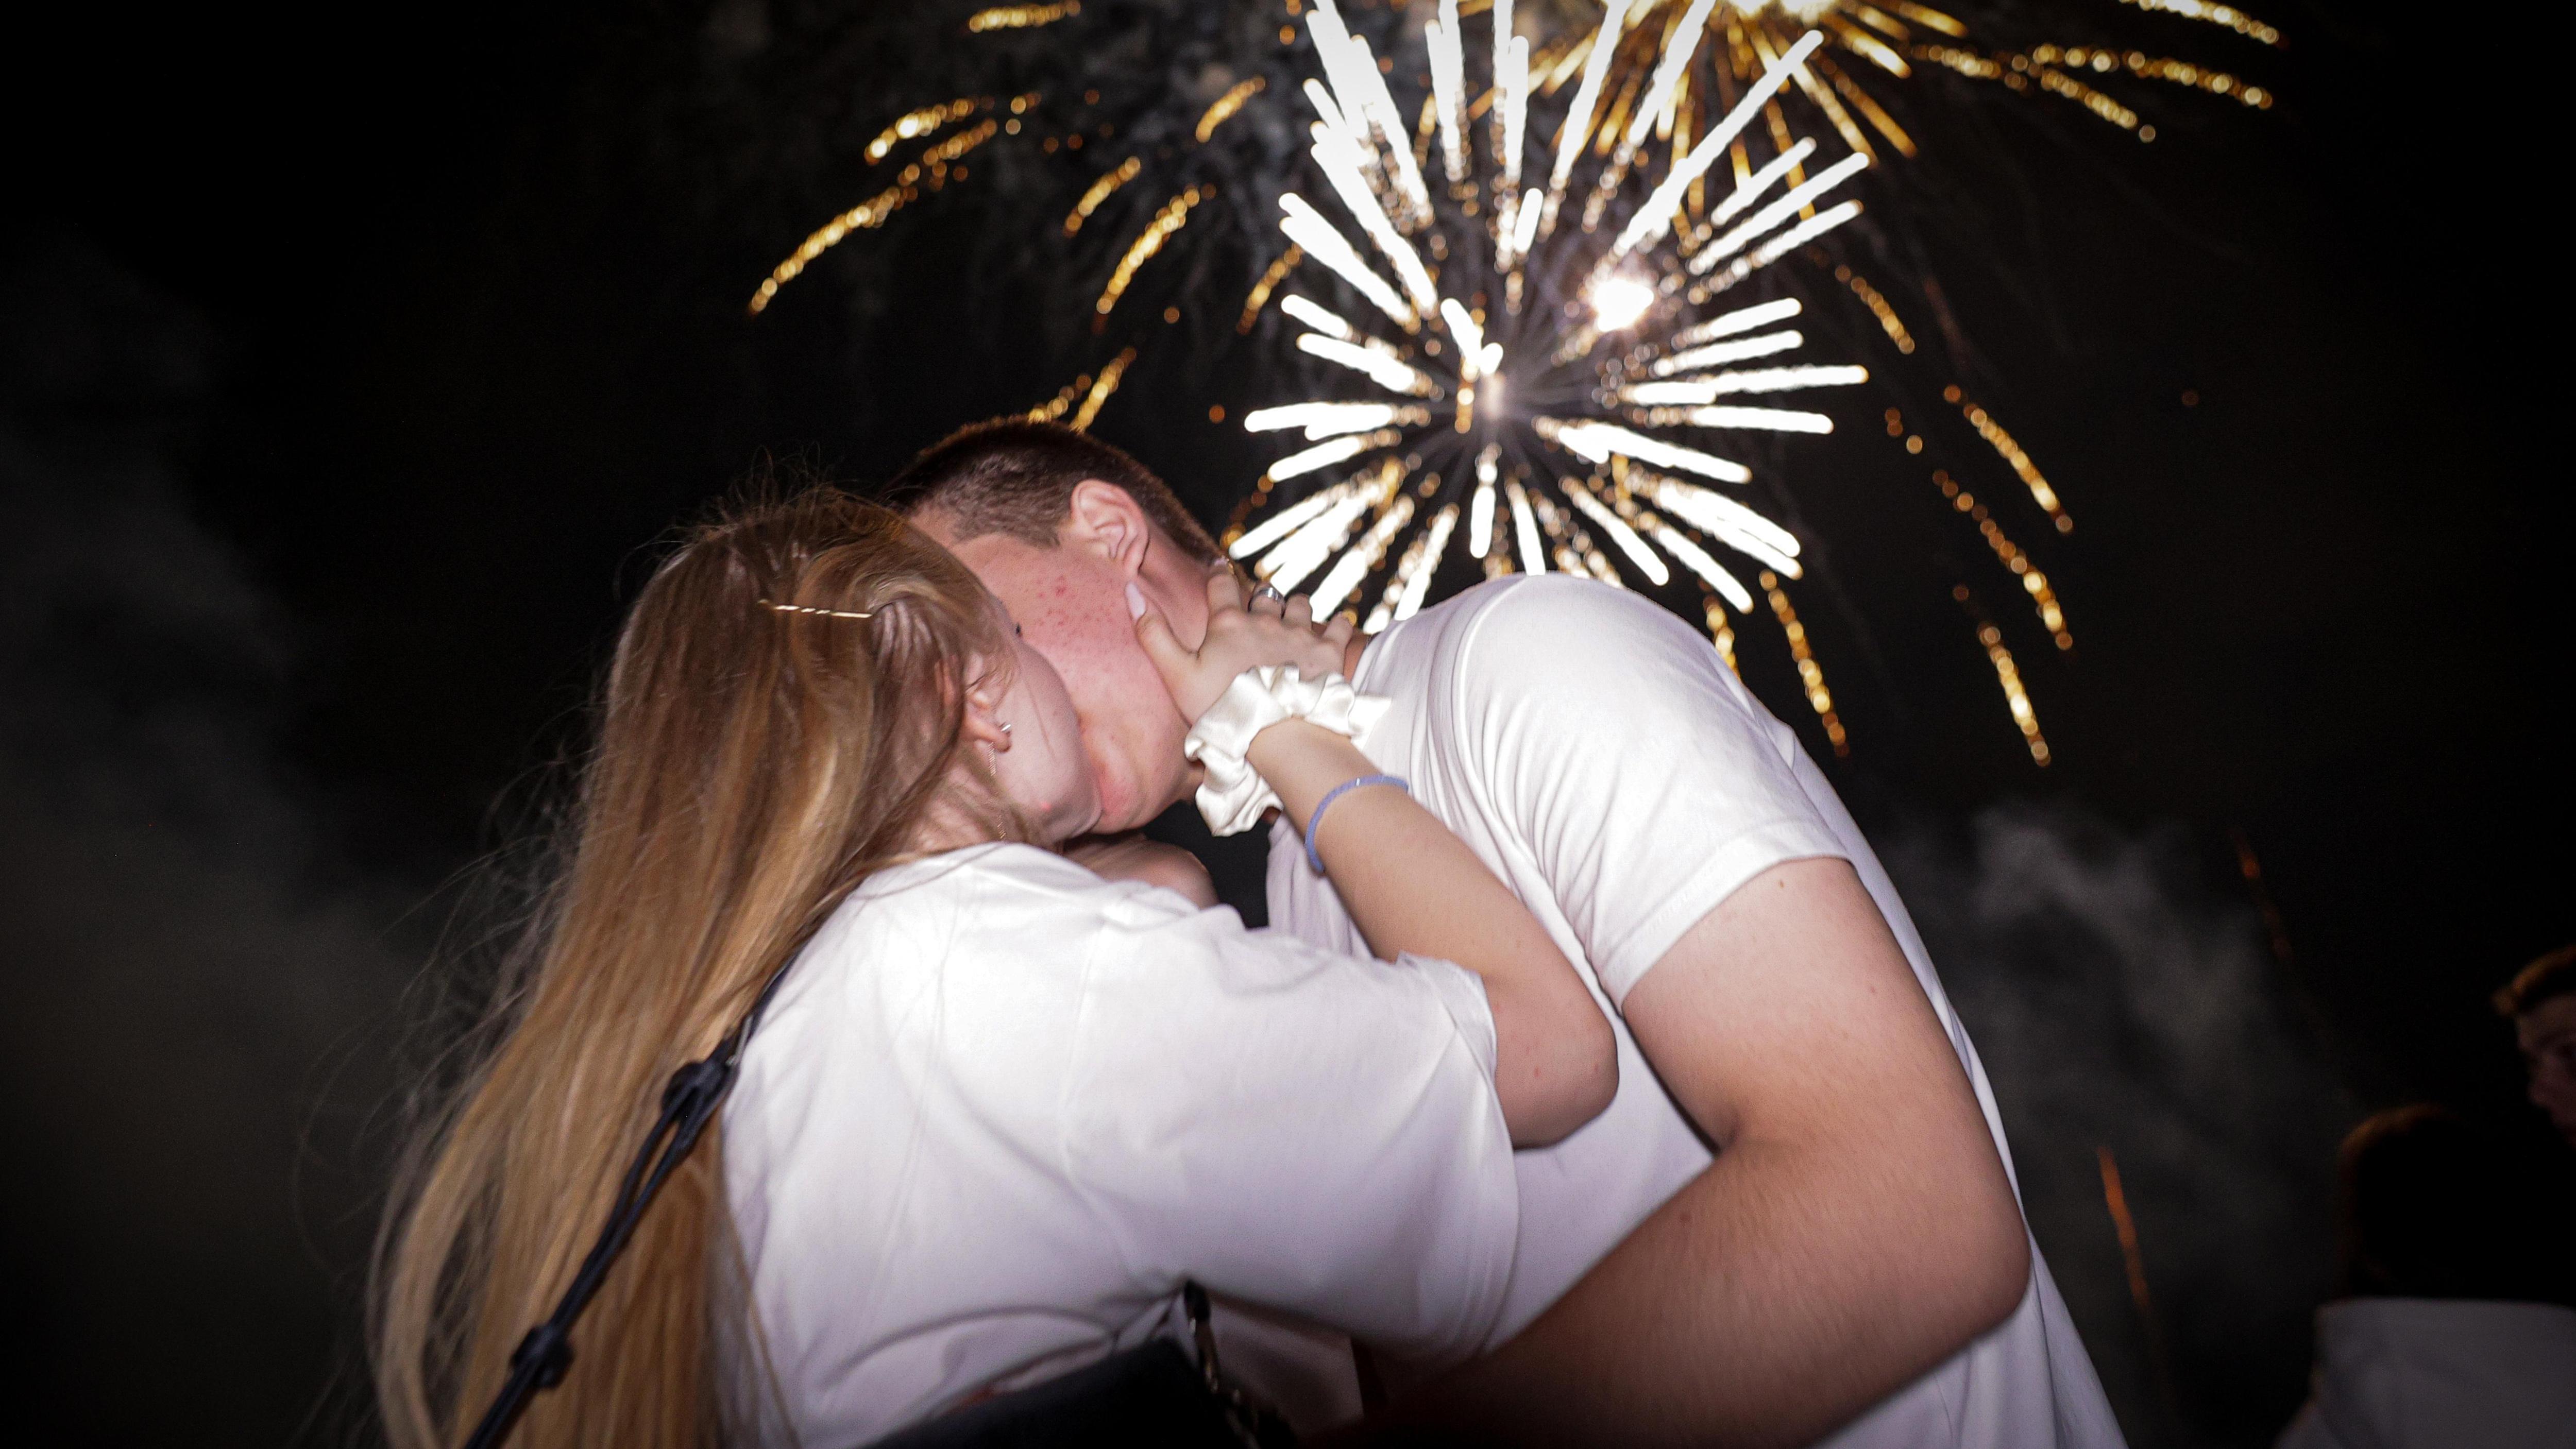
column 1006, row 729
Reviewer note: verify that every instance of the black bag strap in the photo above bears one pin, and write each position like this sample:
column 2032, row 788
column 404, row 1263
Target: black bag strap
column 1136, row 1389
column 689, row 1102
column 1251, row 1423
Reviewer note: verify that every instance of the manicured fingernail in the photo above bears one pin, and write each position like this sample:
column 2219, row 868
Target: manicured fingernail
column 1135, row 602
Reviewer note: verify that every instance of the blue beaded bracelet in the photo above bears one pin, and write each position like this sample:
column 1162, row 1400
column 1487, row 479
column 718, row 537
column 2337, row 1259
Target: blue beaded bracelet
column 1337, row 792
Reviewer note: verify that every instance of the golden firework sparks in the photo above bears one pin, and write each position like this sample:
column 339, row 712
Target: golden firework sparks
column 1173, row 216
column 930, row 170
column 2043, row 595
column 1224, row 107
column 1810, row 674
column 1259, row 296
column 1110, row 180
column 1021, row 17
column 2011, row 452
column 1880, row 45
column 1100, row 390
column 2234, row 19
column 2016, row 698
column 1876, row 302
column 2025, row 716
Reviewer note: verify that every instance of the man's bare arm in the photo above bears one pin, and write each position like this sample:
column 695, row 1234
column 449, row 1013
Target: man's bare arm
column 1855, row 1230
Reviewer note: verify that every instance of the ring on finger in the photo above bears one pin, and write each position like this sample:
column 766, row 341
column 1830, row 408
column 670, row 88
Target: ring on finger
column 1267, row 592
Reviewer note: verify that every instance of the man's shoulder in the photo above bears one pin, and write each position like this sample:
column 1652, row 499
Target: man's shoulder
column 1520, row 591
column 1546, row 632
column 1553, row 605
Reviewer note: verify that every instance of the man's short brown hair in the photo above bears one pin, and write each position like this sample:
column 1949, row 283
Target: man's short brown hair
column 1016, row 477
column 2546, row 979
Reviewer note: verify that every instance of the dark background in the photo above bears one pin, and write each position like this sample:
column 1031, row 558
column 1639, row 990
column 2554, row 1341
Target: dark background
column 354, row 359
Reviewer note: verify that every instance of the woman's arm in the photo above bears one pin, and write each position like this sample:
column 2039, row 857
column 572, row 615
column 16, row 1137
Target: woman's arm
column 1409, row 883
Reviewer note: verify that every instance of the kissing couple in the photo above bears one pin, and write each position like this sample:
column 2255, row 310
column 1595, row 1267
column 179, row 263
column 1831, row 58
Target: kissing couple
column 1590, row 1085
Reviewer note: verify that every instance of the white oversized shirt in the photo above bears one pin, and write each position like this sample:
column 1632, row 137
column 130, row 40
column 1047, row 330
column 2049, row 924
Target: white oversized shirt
column 1603, row 760
column 2433, row 1373
column 1000, row 1108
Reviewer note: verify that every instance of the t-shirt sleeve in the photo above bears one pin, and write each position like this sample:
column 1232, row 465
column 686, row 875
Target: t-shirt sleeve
column 1631, row 763
column 1312, row 1132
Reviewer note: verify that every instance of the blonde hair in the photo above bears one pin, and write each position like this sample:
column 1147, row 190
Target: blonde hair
column 759, row 755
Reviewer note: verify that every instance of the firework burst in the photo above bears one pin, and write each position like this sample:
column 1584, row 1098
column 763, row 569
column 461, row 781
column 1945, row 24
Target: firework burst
column 1541, row 391
column 1153, row 143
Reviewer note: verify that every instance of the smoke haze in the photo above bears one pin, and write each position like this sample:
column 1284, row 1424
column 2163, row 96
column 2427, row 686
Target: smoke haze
column 2119, row 1001
column 194, row 994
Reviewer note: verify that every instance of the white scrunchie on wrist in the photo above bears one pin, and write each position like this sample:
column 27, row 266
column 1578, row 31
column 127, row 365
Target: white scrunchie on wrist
column 1234, row 795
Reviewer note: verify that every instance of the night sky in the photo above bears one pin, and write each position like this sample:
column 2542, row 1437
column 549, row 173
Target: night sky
column 351, row 362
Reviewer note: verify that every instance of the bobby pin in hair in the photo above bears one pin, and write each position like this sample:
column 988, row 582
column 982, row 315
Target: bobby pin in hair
column 808, row 609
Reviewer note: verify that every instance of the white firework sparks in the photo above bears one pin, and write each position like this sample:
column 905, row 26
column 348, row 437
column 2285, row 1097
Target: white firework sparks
column 1551, row 376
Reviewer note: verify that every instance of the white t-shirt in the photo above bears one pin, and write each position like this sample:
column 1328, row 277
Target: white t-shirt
column 1000, row 1108
column 1600, row 757
column 2430, row 1373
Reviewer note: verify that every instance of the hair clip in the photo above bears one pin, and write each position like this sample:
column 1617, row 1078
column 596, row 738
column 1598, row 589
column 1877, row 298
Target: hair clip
column 808, row 609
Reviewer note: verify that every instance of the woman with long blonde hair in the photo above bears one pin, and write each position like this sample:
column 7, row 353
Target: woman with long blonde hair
column 1000, row 1107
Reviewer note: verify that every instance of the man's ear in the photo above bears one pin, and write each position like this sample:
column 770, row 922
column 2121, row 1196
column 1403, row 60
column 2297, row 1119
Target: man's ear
column 1103, row 518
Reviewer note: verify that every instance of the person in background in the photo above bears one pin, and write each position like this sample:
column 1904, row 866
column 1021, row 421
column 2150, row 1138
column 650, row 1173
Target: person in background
column 2454, row 1317
column 2540, row 1001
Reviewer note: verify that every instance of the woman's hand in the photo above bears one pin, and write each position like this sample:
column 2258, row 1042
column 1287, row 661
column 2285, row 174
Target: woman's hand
column 1240, row 636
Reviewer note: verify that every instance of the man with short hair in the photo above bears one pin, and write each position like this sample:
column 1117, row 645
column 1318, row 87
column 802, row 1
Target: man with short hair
column 2540, row 1001
column 1796, row 1217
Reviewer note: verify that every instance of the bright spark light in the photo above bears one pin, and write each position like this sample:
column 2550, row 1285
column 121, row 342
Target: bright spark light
column 1325, row 455
column 1599, row 442
column 1553, row 351
column 1525, row 530
column 1718, row 354
column 1384, row 368
column 1617, row 302
column 1327, row 322
column 1331, row 420
column 1619, row 531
